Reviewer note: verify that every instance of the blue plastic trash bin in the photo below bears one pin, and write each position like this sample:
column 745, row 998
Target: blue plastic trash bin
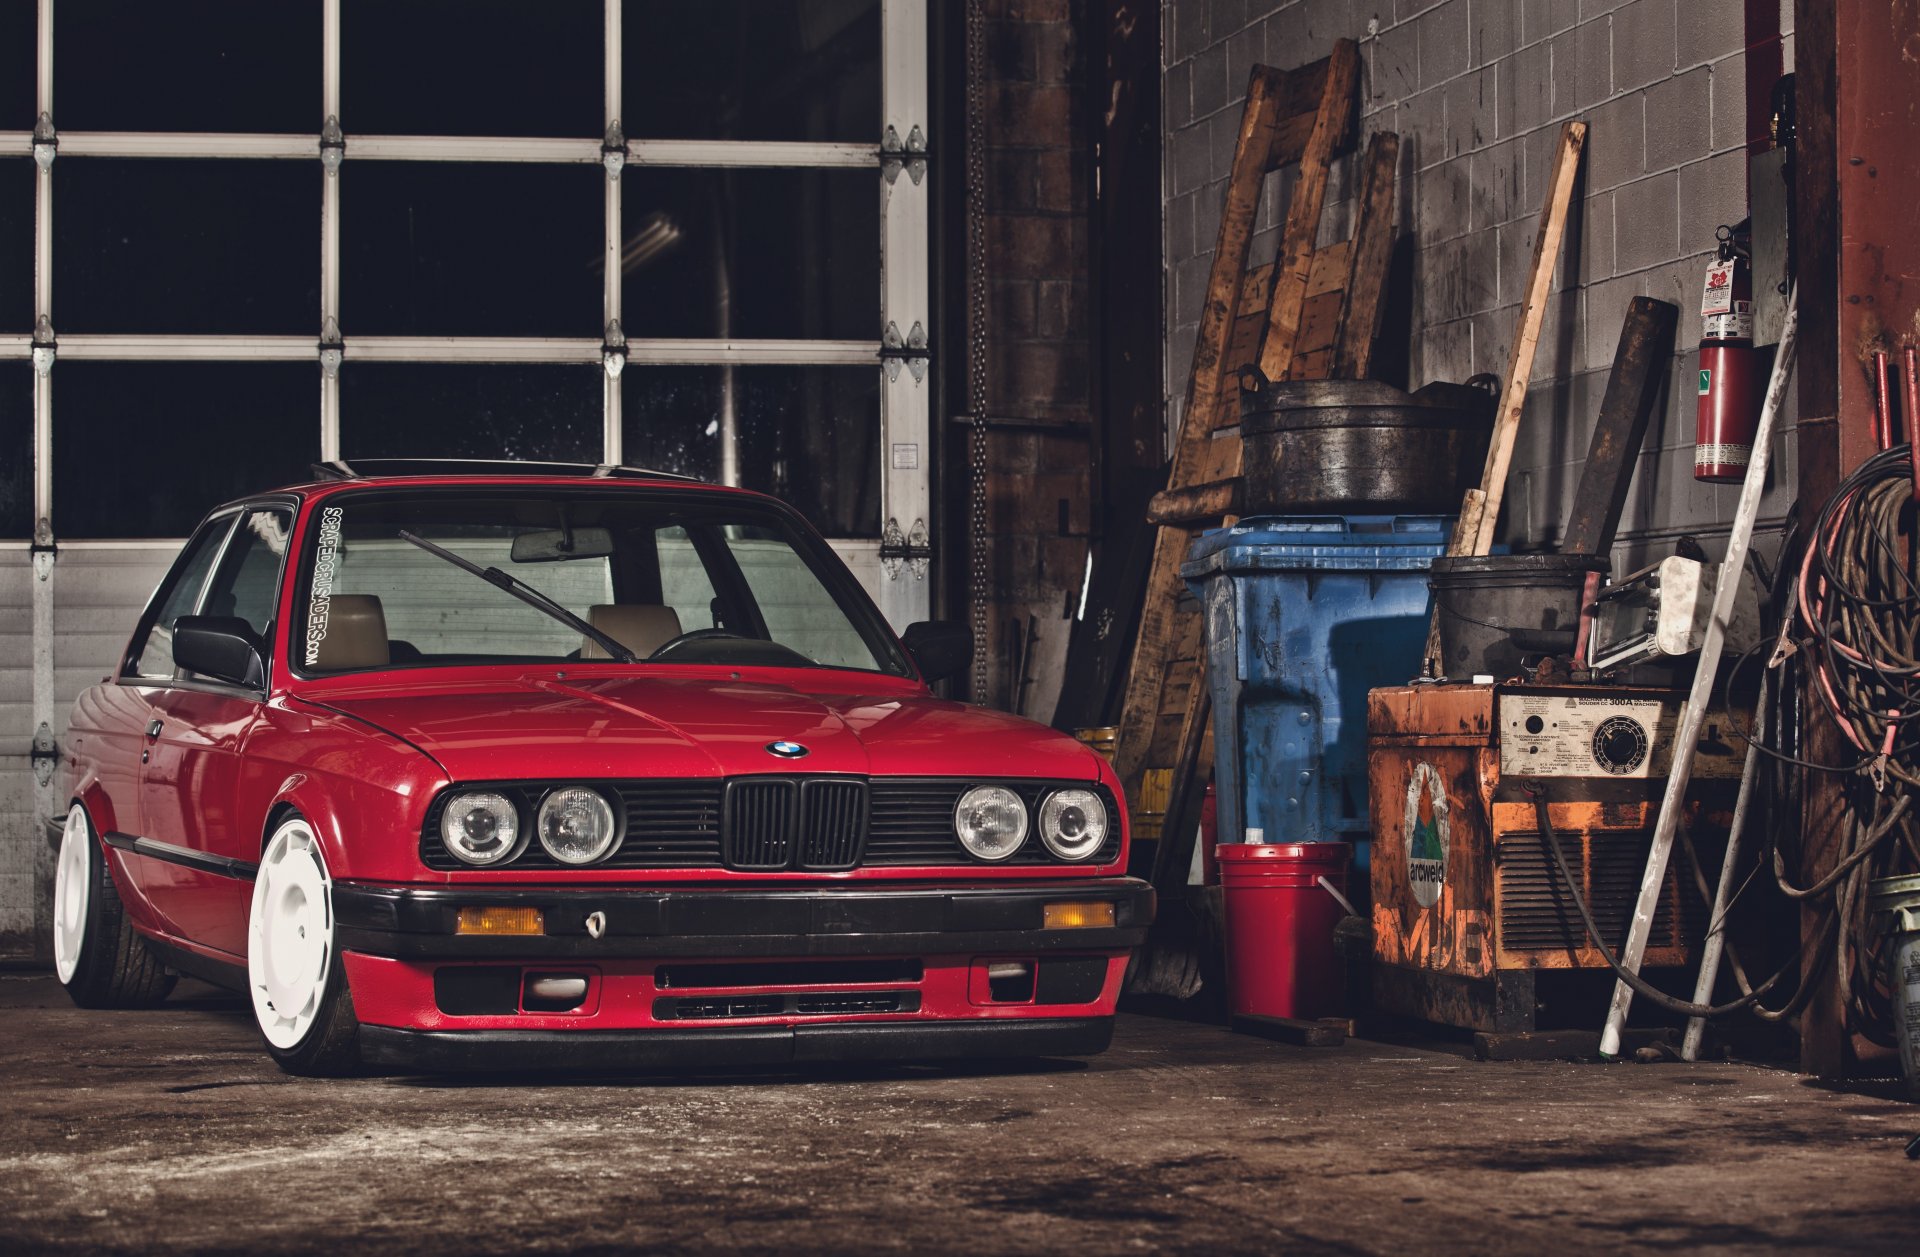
column 1304, row 615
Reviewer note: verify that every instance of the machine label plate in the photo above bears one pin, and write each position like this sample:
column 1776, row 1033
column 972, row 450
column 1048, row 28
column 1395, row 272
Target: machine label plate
column 1556, row 735
column 1427, row 834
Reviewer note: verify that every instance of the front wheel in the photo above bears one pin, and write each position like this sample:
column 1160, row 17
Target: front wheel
column 97, row 955
column 300, row 998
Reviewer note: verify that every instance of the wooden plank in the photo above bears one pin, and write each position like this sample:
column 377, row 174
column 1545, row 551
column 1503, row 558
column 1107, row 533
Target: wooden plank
column 1302, row 229
column 1480, row 505
column 1326, row 1032
column 1640, row 362
column 1201, row 503
column 1319, row 323
column 1526, row 338
column 1373, row 252
column 1159, row 617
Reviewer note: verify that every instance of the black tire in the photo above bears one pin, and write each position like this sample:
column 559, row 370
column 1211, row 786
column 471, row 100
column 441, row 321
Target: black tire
column 115, row 969
column 330, row 1047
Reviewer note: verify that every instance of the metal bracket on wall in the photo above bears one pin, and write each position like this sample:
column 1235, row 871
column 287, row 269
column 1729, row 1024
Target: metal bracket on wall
column 332, row 349
column 911, row 156
column 905, row 552
column 333, row 145
column 613, row 350
column 613, row 149
column 46, row 142
column 45, row 754
column 913, row 351
column 46, row 347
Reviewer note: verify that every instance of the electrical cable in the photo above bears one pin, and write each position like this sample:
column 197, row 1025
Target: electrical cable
column 1640, row 985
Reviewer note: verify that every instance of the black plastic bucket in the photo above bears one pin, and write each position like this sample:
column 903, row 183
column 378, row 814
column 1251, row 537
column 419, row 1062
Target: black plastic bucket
column 1495, row 608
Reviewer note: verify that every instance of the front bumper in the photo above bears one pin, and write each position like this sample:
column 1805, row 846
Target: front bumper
column 417, row 923
column 756, row 977
column 733, row 1048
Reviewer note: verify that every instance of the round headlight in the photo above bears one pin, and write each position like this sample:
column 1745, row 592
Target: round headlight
column 991, row 822
column 481, row 827
column 1073, row 823
column 576, row 825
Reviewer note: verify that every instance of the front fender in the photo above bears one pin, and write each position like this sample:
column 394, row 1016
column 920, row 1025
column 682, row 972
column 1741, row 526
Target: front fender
column 363, row 792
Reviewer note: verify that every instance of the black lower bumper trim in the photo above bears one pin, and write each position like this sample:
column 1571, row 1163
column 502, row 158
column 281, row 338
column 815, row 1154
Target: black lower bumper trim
column 620, row 1050
column 417, row 923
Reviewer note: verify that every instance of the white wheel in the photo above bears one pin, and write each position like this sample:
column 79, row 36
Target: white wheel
column 290, row 936
column 72, row 894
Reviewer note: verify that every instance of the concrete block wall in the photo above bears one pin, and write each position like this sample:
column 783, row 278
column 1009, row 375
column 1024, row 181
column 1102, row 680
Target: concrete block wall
column 1478, row 90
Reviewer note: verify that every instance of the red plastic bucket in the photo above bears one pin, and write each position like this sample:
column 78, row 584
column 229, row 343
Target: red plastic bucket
column 1281, row 960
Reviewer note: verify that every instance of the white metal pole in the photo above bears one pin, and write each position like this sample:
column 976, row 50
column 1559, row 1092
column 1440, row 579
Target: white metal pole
column 612, row 437
column 43, row 286
column 1717, row 919
column 905, row 394
column 46, row 785
column 1680, row 775
column 329, row 230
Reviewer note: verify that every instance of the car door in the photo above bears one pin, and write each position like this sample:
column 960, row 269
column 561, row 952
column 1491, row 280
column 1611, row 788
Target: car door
column 192, row 783
column 123, row 719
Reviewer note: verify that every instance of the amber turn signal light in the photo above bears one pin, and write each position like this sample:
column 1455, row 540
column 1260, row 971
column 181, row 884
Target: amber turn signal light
column 500, row 920
column 1096, row 914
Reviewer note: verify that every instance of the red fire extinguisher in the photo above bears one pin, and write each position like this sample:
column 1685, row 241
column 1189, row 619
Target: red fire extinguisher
column 1730, row 367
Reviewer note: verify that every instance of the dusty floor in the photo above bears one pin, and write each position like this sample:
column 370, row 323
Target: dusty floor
column 169, row 1131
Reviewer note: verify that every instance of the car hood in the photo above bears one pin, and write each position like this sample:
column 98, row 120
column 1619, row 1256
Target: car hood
column 664, row 727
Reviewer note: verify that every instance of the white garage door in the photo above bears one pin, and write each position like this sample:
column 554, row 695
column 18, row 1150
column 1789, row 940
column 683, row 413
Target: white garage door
column 692, row 237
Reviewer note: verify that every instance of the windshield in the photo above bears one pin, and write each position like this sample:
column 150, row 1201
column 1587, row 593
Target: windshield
column 419, row 579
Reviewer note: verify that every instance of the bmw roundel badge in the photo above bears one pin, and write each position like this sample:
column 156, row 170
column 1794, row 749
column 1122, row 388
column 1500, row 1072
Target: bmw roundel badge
column 786, row 750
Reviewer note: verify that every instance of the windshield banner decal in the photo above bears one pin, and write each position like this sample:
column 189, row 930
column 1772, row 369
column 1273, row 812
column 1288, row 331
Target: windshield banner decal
column 322, row 599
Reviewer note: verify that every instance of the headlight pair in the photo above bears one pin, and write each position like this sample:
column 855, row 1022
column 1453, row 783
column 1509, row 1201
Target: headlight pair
column 576, row 826
column 992, row 822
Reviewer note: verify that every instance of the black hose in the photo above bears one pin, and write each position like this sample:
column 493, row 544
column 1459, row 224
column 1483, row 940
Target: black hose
column 1640, row 985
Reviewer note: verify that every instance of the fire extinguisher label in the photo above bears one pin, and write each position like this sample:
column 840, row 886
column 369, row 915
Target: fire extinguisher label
column 1735, row 324
column 1706, row 381
column 1718, row 296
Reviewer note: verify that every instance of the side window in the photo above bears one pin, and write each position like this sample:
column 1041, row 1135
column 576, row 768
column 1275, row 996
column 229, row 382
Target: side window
column 154, row 656
column 684, row 583
column 249, row 575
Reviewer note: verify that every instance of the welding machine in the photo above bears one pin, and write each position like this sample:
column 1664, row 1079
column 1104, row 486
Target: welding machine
column 1472, row 921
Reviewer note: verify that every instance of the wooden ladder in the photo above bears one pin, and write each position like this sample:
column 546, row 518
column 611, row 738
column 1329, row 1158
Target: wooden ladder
column 1312, row 314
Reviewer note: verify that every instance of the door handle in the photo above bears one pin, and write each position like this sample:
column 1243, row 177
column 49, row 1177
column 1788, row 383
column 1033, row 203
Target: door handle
column 153, row 728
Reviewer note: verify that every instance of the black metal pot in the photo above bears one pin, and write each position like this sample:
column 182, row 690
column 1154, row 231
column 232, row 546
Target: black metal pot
column 1360, row 447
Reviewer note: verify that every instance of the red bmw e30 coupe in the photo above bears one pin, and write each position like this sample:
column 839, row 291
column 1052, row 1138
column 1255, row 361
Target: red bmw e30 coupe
column 516, row 768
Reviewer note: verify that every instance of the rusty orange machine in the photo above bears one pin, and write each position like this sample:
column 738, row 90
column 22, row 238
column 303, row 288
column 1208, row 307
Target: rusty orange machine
column 1473, row 925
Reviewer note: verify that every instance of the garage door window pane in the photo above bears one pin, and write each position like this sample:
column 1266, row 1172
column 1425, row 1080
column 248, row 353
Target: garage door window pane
column 437, row 249
column 787, row 254
column 472, row 67
column 753, row 69
column 210, row 65
column 187, row 246
column 16, row 244
column 16, row 449
column 18, row 29
column 412, row 410
column 808, row 435
column 144, row 449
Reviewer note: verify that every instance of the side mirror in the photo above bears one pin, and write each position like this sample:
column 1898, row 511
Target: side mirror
column 940, row 648
column 223, row 647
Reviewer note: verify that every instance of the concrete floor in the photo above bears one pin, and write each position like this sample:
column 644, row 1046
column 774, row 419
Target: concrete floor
column 170, row 1131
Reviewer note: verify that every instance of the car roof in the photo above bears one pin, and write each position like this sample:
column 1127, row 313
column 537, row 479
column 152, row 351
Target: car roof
column 420, row 472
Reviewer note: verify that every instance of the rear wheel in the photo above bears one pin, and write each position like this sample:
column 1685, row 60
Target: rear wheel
column 299, row 994
column 97, row 955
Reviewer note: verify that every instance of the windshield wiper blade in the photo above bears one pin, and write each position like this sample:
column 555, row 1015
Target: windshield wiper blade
column 527, row 594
